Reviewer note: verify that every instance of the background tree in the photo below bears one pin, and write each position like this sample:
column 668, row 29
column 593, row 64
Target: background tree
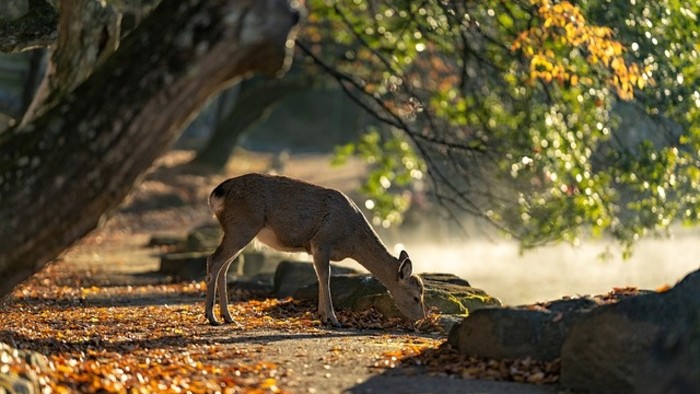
column 254, row 100
column 63, row 170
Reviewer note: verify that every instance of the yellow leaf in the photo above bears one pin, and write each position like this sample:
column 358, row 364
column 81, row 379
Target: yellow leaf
column 641, row 82
column 547, row 22
column 615, row 64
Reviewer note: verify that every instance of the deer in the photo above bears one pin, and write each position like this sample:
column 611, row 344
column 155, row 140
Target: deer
column 291, row 215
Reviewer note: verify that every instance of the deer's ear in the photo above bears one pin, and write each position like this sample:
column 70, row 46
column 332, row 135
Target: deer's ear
column 403, row 256
column 405, row 269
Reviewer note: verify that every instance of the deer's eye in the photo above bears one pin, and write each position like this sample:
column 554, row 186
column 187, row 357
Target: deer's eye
column 416, row 299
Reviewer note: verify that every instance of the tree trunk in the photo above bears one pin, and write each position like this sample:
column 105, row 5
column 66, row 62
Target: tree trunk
column 254, row 102
column 61, row 173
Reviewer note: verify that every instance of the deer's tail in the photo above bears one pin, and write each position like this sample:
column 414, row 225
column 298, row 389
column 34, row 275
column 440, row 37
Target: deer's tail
column 216, row 199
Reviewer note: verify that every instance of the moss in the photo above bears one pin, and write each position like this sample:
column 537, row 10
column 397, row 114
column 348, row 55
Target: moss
column 461, row 302
column 446, row 293
column 446, row 303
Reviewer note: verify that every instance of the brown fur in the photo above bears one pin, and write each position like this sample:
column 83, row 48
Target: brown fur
column 292, row 215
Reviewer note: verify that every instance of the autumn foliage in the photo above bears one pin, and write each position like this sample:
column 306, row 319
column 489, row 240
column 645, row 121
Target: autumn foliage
column 563, row 35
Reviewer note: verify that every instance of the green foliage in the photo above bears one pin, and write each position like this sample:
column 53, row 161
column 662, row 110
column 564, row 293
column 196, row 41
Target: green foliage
column 517, row 107
column 658, row 175
column 394, row 166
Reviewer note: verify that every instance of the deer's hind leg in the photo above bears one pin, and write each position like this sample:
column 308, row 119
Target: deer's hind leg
column 223, row 290
column 217, row 265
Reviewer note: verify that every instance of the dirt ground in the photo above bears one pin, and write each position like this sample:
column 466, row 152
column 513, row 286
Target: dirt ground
column 107, row 322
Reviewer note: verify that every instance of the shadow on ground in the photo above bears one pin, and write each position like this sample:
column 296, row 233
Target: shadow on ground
column 394, row 381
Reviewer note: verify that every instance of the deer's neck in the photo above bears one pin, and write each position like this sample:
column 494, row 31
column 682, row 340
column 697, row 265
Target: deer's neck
column 373, row 255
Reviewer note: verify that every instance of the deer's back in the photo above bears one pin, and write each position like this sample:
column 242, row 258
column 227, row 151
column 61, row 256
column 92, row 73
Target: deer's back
column 295, row 211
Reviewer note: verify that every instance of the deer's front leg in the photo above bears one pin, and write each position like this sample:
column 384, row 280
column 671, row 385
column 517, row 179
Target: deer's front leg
column 325, row 303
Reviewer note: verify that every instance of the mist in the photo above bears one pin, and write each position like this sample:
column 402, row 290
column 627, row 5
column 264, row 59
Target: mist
column 549, row 273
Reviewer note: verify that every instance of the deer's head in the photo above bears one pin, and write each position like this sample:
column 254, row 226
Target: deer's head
column 408, row 290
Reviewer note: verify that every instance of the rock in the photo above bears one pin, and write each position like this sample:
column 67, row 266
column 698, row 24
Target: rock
column 291, row 276
column 674, row 365
column 166, row 240
column 26, row 361
column 259, row 285
column 343, row 289
column 204, row 238
column 451, row 294
column 261, row 262
column 447, row 322
column 518, row 332
column 189, row 260
column 615, row 347
column 193, row 266
column 448, row 293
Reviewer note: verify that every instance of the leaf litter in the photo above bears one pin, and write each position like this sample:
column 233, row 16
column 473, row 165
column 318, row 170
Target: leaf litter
column 153, row 338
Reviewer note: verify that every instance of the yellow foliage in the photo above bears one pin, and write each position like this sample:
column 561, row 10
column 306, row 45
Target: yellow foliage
column 563, row 23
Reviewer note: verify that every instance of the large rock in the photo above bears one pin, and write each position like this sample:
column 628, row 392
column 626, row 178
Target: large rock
column 453, row 295
column 187, row 266
column 674, row 365
column 291, row 276
column 25, row 361
column 537, row 332
column 448, row 293
column 616, row 348
column 259, row 262
column 205, row 238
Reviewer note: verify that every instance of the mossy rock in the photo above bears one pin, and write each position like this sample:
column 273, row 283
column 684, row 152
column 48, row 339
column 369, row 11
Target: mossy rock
column 447, row 293
column 453, row 295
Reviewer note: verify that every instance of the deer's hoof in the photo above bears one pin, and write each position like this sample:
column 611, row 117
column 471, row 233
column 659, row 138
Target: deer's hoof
column 330, row 321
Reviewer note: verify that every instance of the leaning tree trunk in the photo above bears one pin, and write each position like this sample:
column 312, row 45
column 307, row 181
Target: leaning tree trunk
column 62, row 172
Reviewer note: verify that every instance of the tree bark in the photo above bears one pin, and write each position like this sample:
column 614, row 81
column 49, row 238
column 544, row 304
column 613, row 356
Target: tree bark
column 61, row 173
column 254, row 102
column 35, row 29
column 88, row 33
